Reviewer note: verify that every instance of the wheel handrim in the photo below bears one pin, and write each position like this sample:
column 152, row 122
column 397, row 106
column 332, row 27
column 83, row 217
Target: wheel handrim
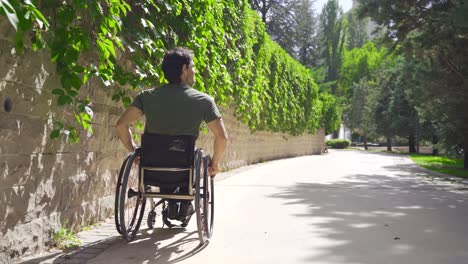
column 132, row 205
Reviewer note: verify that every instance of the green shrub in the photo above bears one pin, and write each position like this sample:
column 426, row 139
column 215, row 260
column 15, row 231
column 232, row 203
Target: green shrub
column 65, row 238
column 338, row 143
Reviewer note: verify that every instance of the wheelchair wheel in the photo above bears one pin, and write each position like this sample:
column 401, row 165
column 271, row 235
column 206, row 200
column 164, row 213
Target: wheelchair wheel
column 117, row 194
column 131, row 204
column 204, row 204
column 208, row 196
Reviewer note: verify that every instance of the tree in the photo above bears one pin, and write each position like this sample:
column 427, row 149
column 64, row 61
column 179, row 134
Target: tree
column 405, row 119
column 332, row 40
column 359, row 116
column 357, row 29
column 382, row 114
column 331, row 113
column 357, row 83
column 292, row 24
column 359, row 63
column 435, row 34
column 263, row 6
column 281, row 25
column 306, row 43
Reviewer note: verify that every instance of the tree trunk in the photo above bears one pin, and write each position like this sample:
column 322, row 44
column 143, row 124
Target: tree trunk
column 465, row 149
column 412, row 144
column 435, row 151
column 389, row 144
column 417, row 135
column 465, row 127
column 365, row 142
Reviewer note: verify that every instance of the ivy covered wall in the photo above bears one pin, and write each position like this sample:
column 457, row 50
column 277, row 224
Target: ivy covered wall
column 235, row 58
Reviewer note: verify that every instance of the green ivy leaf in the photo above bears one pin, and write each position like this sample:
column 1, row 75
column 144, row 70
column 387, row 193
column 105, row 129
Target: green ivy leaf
column 18, row 41
column 75, row 81
column 139, row 125
column 10, row 13
column 58, row 91
column 73, row 136
column 126, row 101
column 72, row 93
column 78, row 68
column 64, row 99
column 54, row 134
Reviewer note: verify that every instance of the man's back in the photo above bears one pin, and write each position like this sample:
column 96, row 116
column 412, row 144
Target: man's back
column 176, row 109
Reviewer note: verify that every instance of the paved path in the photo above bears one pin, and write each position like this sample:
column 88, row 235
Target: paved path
column 343, row 207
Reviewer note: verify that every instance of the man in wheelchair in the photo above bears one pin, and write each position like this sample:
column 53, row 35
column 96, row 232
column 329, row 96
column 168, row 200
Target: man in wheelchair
column 176, row 109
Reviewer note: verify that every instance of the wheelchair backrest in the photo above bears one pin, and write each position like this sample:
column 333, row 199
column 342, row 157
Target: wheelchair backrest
column 167, row 150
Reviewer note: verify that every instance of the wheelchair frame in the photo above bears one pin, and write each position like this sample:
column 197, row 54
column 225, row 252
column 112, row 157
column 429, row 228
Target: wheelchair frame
column 200, row 189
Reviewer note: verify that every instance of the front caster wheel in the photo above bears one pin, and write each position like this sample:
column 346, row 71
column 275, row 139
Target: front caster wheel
column 151, row 221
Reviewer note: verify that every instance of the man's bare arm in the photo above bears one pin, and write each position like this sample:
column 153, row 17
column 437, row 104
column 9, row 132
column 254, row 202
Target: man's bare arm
column 219, row 131
column 123, row 126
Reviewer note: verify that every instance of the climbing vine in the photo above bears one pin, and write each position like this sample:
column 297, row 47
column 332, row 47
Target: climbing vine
column 122, row 44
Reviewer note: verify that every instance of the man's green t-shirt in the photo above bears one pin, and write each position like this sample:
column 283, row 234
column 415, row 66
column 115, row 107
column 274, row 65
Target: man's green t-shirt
column 176, row 109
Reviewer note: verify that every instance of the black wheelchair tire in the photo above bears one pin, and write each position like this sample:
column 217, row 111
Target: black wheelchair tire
column 208, row 194
column 130, row 227
column 117, row 194
column 202, row 199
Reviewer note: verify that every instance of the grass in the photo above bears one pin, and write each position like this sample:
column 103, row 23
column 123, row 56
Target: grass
column 441, row 164
column 65, row 239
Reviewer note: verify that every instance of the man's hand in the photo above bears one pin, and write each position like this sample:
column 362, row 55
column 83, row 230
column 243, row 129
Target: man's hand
column 213, row 170
column 136, row 161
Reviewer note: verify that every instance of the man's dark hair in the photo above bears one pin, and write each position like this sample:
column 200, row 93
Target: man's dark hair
column 173, row 62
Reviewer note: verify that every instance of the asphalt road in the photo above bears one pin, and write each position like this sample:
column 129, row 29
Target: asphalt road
column 343, row 207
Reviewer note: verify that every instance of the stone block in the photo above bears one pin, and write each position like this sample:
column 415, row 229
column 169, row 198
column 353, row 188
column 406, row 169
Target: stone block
column 106, row 206
column 15, row 170
column 25, row 100
column 23, row 240
column 15, row 204
column 76, row 189
column 48, row 196
column 29, row 69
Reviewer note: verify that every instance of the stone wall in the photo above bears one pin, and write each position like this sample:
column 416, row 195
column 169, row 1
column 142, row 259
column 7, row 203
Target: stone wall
column 46, row 183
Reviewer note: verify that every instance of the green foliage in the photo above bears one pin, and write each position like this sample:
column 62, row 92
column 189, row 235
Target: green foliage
column 122, row 44
column 432, row 37
column 331, row 113
column 359, row 114
column 338, row 143
column 359, row 63
column 65, row 239
column 357, row 29
column 333, row 29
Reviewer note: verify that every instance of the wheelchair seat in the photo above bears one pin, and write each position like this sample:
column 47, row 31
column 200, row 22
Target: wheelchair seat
column 166, row 160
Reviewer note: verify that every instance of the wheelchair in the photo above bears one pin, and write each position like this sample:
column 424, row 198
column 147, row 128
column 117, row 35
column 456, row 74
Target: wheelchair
column 171, row 169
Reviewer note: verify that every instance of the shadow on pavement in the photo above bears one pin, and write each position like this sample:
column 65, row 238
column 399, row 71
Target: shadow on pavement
column 160, row 245
column 383, row 218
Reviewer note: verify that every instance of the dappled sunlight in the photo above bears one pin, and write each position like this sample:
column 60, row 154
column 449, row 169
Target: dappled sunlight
column 347, row 222
column 385, row 213
column 160, row 245
column 362, row 225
